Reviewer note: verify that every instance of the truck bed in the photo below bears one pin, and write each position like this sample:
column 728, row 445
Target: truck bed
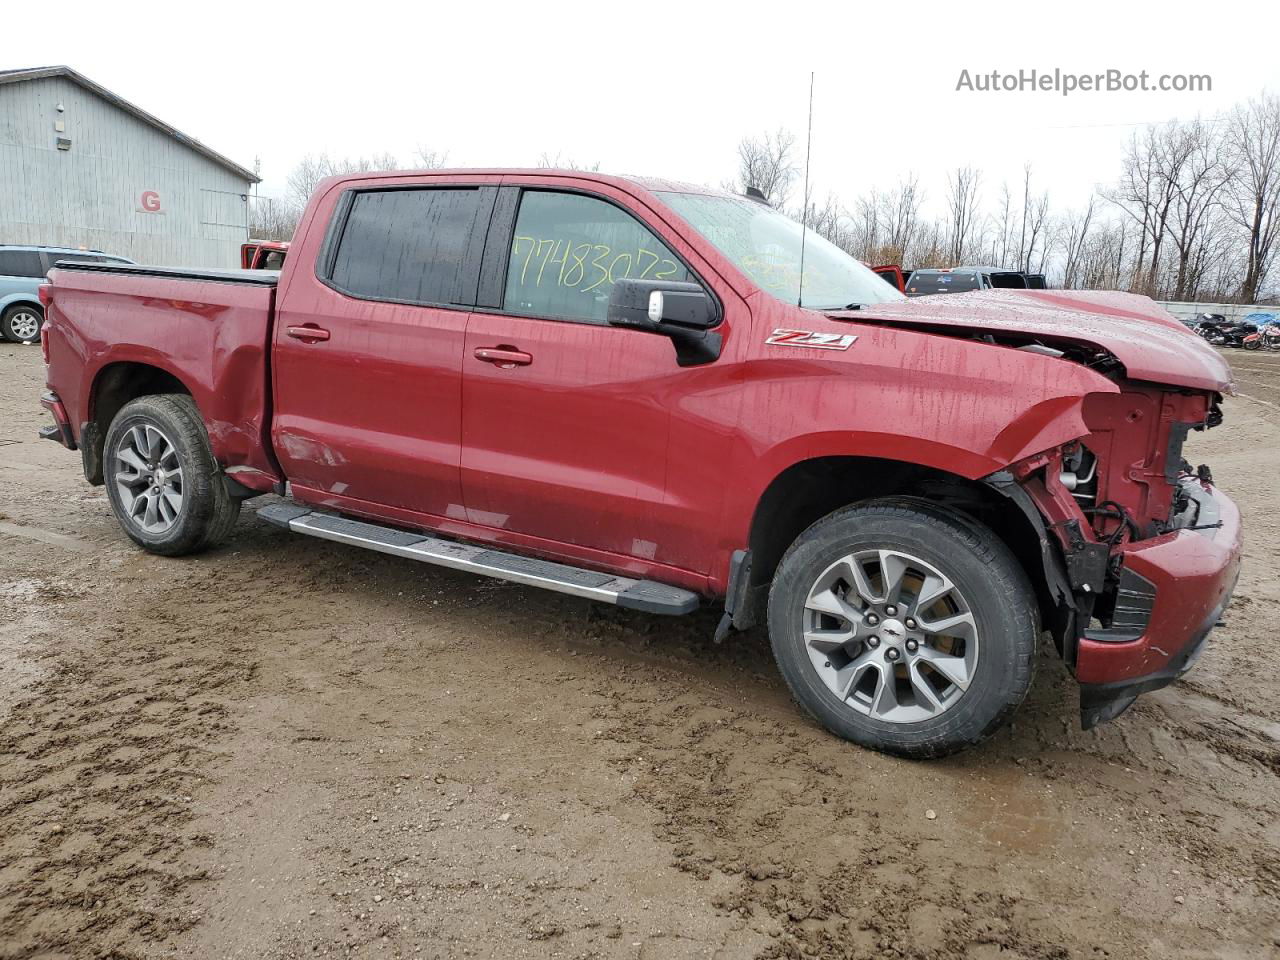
column 210, row 330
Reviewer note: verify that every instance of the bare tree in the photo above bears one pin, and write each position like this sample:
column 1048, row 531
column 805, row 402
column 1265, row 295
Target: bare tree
column 962, row 204
column 1002, row 224
column 559, row 162
column 866, row 229
column 1253, row 134
column 1075, row 238
column 1032, row 227
column 427, row 159
column 766, row 164
column 901, row 216
column 312, row 169
column 1203, row 173
column 1147, row 190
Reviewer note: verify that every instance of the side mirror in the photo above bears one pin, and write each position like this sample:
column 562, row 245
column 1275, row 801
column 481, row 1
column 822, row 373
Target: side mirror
column 685, row 312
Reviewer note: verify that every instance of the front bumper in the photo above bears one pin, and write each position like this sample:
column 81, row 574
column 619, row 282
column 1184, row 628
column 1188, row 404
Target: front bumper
column 1193, row 572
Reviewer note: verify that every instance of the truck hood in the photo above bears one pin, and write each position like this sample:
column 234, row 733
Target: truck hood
column 1137, row 331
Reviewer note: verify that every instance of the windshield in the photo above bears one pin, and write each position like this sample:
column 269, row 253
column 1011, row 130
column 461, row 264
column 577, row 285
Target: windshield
column 765, row 245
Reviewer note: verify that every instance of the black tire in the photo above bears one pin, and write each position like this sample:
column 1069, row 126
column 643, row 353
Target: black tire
column 20, row 314
column 208, row 512
column 986, row 574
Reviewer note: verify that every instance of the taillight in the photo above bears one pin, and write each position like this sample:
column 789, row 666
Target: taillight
column 44, row 342
column 45, row 293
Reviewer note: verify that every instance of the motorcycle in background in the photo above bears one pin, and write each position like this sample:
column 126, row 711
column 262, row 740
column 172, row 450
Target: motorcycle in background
column 1226, row 333
column 1268, row 338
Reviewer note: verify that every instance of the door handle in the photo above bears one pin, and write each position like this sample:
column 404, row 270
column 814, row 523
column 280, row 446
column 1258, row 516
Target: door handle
column 308, row 333
column 504, row 356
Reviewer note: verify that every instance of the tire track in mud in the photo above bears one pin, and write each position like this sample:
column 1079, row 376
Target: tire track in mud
column 817, row 860
column 102, row 763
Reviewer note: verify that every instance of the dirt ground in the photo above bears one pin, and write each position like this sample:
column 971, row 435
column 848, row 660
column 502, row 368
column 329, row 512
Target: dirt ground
column 287, row 748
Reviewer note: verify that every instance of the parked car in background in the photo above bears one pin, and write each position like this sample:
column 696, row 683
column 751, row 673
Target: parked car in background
column 606, row 386
column 923, row 283
column 22, row 270
column 893, row 275
column 263, row 254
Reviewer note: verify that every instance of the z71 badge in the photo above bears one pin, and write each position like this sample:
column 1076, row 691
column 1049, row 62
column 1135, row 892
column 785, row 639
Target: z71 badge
column 807, row 338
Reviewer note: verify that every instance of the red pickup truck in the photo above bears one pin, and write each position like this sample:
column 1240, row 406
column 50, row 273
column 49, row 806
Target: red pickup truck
column 655, row 395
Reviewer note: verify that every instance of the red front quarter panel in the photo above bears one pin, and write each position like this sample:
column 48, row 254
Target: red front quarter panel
column 956, row 405
column 213, row 337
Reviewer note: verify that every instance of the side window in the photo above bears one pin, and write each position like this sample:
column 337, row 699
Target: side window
column 20, row 263
column 407, row 245
column 568, row 251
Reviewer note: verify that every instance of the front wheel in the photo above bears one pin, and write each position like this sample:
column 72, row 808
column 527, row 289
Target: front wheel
column 903, row 627
column 21, row 323
column 165, row 488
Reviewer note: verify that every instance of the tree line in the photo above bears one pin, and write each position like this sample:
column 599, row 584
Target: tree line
column 1193, row 214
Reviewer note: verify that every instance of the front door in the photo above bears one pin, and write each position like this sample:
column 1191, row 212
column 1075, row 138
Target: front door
column 569, row 424
column 368, row 351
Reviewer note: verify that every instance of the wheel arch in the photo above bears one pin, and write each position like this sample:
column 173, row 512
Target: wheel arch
column 809, row 489
column 114, row 385
column 23, row 299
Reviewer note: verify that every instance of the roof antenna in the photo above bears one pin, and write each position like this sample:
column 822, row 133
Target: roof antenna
column 804, row 218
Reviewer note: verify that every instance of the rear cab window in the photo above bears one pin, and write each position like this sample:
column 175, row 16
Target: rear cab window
column 928, row 282
column 409, row 245
column 568, row 250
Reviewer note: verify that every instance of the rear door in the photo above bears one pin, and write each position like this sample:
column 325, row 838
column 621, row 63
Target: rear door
column 575, row 432
column 368, row 348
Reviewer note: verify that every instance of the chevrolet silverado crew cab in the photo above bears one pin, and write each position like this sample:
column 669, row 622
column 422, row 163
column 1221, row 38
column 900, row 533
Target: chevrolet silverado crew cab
column 657, row 396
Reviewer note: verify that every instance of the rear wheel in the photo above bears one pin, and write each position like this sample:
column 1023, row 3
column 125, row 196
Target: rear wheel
column 21, row 323
column 903, row 627
column 165, row 488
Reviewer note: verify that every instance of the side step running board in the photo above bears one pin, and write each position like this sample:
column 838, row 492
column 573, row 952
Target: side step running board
column 634, row 594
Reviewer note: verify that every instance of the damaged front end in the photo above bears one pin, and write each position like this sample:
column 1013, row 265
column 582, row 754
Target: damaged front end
column 1141, row 551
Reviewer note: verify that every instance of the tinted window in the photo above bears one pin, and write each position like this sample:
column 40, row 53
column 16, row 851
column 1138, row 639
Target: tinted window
column 408, row 245
column 20, row 263
column 1009, row 281
column 569, row 250
column 928, row 281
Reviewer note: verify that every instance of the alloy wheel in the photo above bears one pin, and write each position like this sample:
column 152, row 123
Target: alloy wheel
column 891, row 636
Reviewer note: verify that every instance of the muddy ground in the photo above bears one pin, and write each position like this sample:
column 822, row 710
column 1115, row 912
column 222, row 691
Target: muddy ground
column 286, row 748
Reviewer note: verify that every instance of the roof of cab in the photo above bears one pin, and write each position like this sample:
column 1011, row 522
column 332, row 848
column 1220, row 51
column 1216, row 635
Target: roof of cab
column 626, row 181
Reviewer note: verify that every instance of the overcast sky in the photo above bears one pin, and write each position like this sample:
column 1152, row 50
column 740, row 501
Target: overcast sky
column 659, row 88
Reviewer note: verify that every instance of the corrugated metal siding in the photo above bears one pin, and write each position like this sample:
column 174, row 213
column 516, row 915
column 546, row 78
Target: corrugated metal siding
column 92, row 194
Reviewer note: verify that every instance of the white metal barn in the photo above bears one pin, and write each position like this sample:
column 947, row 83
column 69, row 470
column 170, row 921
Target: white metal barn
column 80, row 167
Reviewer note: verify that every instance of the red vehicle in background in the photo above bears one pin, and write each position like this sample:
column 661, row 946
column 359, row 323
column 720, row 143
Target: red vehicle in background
column 894, row 275
column 263, row 254
column 631, row 391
